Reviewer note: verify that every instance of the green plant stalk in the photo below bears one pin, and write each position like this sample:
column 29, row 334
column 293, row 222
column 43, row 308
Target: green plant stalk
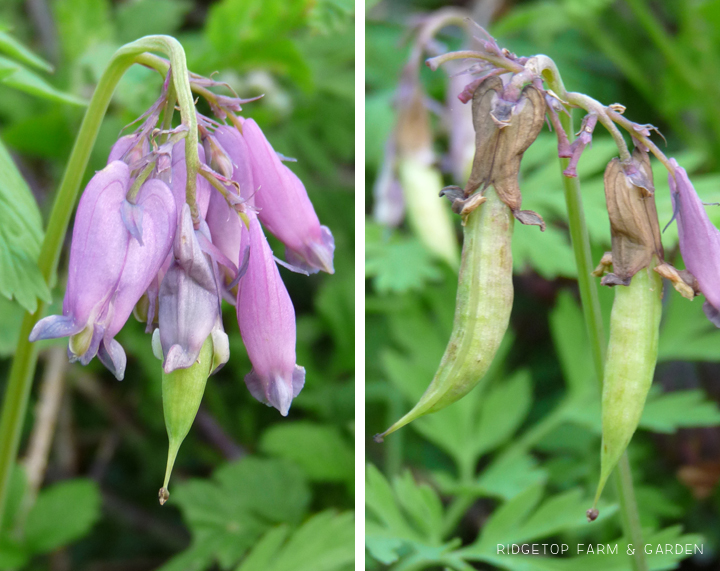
column 593, row 319
column 17, row 393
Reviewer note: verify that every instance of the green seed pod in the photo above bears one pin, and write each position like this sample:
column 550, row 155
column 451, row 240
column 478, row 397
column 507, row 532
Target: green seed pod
column 182, row 391
column 630, row 364
column 429, row 219
column 482, row 310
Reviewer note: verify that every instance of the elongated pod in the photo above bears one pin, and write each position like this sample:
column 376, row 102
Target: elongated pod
column 182, row 392
column 630, row 364
column 482, row 310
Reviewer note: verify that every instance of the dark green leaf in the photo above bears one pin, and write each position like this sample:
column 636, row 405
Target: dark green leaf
column 63, row 513
column 680, row 409
column 16, row 50
column 19, row 77
column 320, row 450
column 398, row 264
column 20, row 238
column 326, row 542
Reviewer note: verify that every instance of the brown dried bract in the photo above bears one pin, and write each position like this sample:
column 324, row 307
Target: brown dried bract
column 503, row 132
column 633, row 217
column 486, row 134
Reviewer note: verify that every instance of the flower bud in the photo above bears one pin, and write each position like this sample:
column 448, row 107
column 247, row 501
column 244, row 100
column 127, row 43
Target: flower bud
column 267, row 324
column 130, row 149
column 482, row 309
column 237, row 150
column 217, row 157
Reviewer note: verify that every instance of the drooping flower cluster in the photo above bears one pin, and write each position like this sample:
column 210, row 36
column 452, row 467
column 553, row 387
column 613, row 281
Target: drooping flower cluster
column 149, row 242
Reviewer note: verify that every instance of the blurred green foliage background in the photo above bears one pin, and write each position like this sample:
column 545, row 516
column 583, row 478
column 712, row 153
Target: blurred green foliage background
column 252, row 490
column 517, row 460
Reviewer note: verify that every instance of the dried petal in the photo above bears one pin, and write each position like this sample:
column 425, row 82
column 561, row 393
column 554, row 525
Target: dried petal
column 633, row 218
column 504, row 130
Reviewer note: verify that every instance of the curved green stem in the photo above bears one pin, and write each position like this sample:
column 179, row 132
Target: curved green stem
column 15, row 402
column 181, row 80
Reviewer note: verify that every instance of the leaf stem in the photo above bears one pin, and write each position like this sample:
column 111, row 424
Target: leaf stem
column 17, row 393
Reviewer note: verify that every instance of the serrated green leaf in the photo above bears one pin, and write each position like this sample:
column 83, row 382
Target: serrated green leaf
column 148, row 17
column 680, row 409
column 509, row 474
column 382, row 507
column 62, row 514
column 198, row 557
column 228, row 513
column 331, row 15
column 16, row 493
column 555, row 515
column 82, row 24
column 502, row 410
column 247, row 34
column 401, row 519
column 262, row 554
column 399, row 264
column 550, row 254
column 20, row 238
column 14, row 49
column 23, row 79
column 504, row 523
column 273, row 489
column 685, row 332
column 570, row 339
column 326, row 542
column 320, row 450
column 13, row 554
column 421, row 505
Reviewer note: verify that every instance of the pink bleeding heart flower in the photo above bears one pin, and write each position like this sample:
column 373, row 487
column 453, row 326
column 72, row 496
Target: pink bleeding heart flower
column 267, row 324
column 699, row 240
column 189, row 303
column 226, row 231
column 117, row 249
column 237, row 150
column 285, row 208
